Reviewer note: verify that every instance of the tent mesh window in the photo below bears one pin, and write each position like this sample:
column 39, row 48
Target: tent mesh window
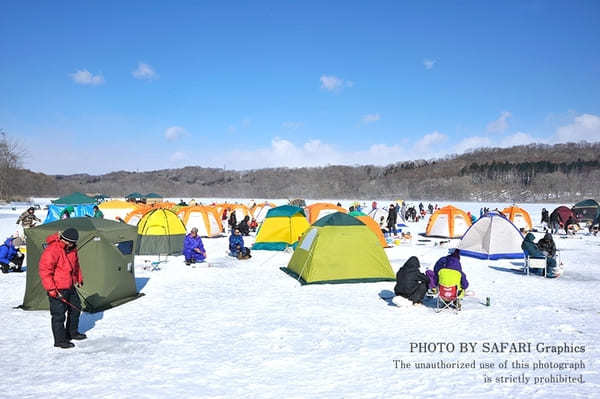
column 126, row 247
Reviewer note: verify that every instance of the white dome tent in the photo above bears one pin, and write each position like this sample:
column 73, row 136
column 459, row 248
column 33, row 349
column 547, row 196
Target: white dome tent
column 378, row 213
column 492, row 237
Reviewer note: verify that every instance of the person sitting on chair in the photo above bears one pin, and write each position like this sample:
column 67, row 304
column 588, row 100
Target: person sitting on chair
column 548, row 248
column 410, row 282
column 9, row 253
column 532, row 250
column 452, row 262
column 193, row 249
column 236, row 245
column 547, row 245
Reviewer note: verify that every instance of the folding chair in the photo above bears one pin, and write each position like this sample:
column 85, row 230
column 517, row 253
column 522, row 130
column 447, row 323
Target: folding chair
column 535, row 264
column 151, row 265
column 449, row 290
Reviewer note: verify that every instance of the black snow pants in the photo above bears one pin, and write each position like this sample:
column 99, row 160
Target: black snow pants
column 62, row 332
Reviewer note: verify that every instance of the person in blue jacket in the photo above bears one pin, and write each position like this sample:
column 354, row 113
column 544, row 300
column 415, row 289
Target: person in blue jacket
column 9, row 253
column 236, row 245
column 193, row 249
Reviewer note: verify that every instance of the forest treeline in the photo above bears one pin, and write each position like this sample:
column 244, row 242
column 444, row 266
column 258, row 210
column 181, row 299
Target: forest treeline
column 535, row 172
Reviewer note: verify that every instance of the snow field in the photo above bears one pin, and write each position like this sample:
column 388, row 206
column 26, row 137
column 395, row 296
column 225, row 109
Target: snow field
column 246, row 329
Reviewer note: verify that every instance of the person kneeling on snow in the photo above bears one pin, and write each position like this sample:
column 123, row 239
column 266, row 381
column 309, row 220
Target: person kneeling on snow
column 452, row 262
column 410, row 282
column 236, row 245
column 9, row 253
column 193, row 249
column 533, row 250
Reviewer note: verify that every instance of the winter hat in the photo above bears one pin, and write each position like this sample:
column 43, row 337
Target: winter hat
column 70, row 235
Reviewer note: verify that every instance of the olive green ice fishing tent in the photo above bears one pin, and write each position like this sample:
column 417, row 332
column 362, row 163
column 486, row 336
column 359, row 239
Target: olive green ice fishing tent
column 339, row 248
column 106, row 251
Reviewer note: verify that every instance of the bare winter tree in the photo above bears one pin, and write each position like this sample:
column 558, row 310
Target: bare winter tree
column 11, row 154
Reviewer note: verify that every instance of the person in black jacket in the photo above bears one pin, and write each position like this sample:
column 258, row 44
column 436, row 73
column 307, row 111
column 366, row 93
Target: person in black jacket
column 244, row 227
column 232, row 220
column 547, row 245
column 570, row 222
column 391, row 220
column 545, row 218
column 554, row 222
column 410, row 282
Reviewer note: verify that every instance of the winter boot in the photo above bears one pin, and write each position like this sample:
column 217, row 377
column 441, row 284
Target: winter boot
column 64, row 345
column 4, row 268
column 76, row 336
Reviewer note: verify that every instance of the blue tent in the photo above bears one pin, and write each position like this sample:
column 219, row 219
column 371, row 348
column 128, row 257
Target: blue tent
column 78, row 211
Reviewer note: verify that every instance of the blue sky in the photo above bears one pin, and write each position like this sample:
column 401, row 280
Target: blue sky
column 96, row 87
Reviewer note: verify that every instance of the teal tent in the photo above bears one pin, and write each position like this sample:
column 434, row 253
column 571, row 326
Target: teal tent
column 75, row 199
column 586, row 210
column 134, row 196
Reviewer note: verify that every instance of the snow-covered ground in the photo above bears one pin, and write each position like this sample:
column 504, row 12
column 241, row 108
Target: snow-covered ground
column 246, row 329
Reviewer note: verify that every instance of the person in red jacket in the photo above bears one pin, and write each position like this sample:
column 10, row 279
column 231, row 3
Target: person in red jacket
column 60, row 272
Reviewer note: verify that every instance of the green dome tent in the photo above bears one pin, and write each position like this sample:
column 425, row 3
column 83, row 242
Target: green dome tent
column 339, row 248
column 105, row 250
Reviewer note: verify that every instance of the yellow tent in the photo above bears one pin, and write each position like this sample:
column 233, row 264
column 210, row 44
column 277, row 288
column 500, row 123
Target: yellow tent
column 282, row 228
column 160, row 231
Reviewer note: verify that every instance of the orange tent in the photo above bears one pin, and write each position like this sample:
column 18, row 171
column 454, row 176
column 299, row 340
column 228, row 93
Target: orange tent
column 134, row 216
column 316, row 211
column 115, row 209
column 240, row 210
column 204, row 218
column 519, row 217
column 448, row 222
column 259, row 211
column 162, row 205
column 374, row 227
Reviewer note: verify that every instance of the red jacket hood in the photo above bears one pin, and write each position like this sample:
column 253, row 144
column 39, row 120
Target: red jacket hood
column 52, row 238
column 55, row 238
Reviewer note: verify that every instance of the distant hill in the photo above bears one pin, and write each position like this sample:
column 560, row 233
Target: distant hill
column 536, row 172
